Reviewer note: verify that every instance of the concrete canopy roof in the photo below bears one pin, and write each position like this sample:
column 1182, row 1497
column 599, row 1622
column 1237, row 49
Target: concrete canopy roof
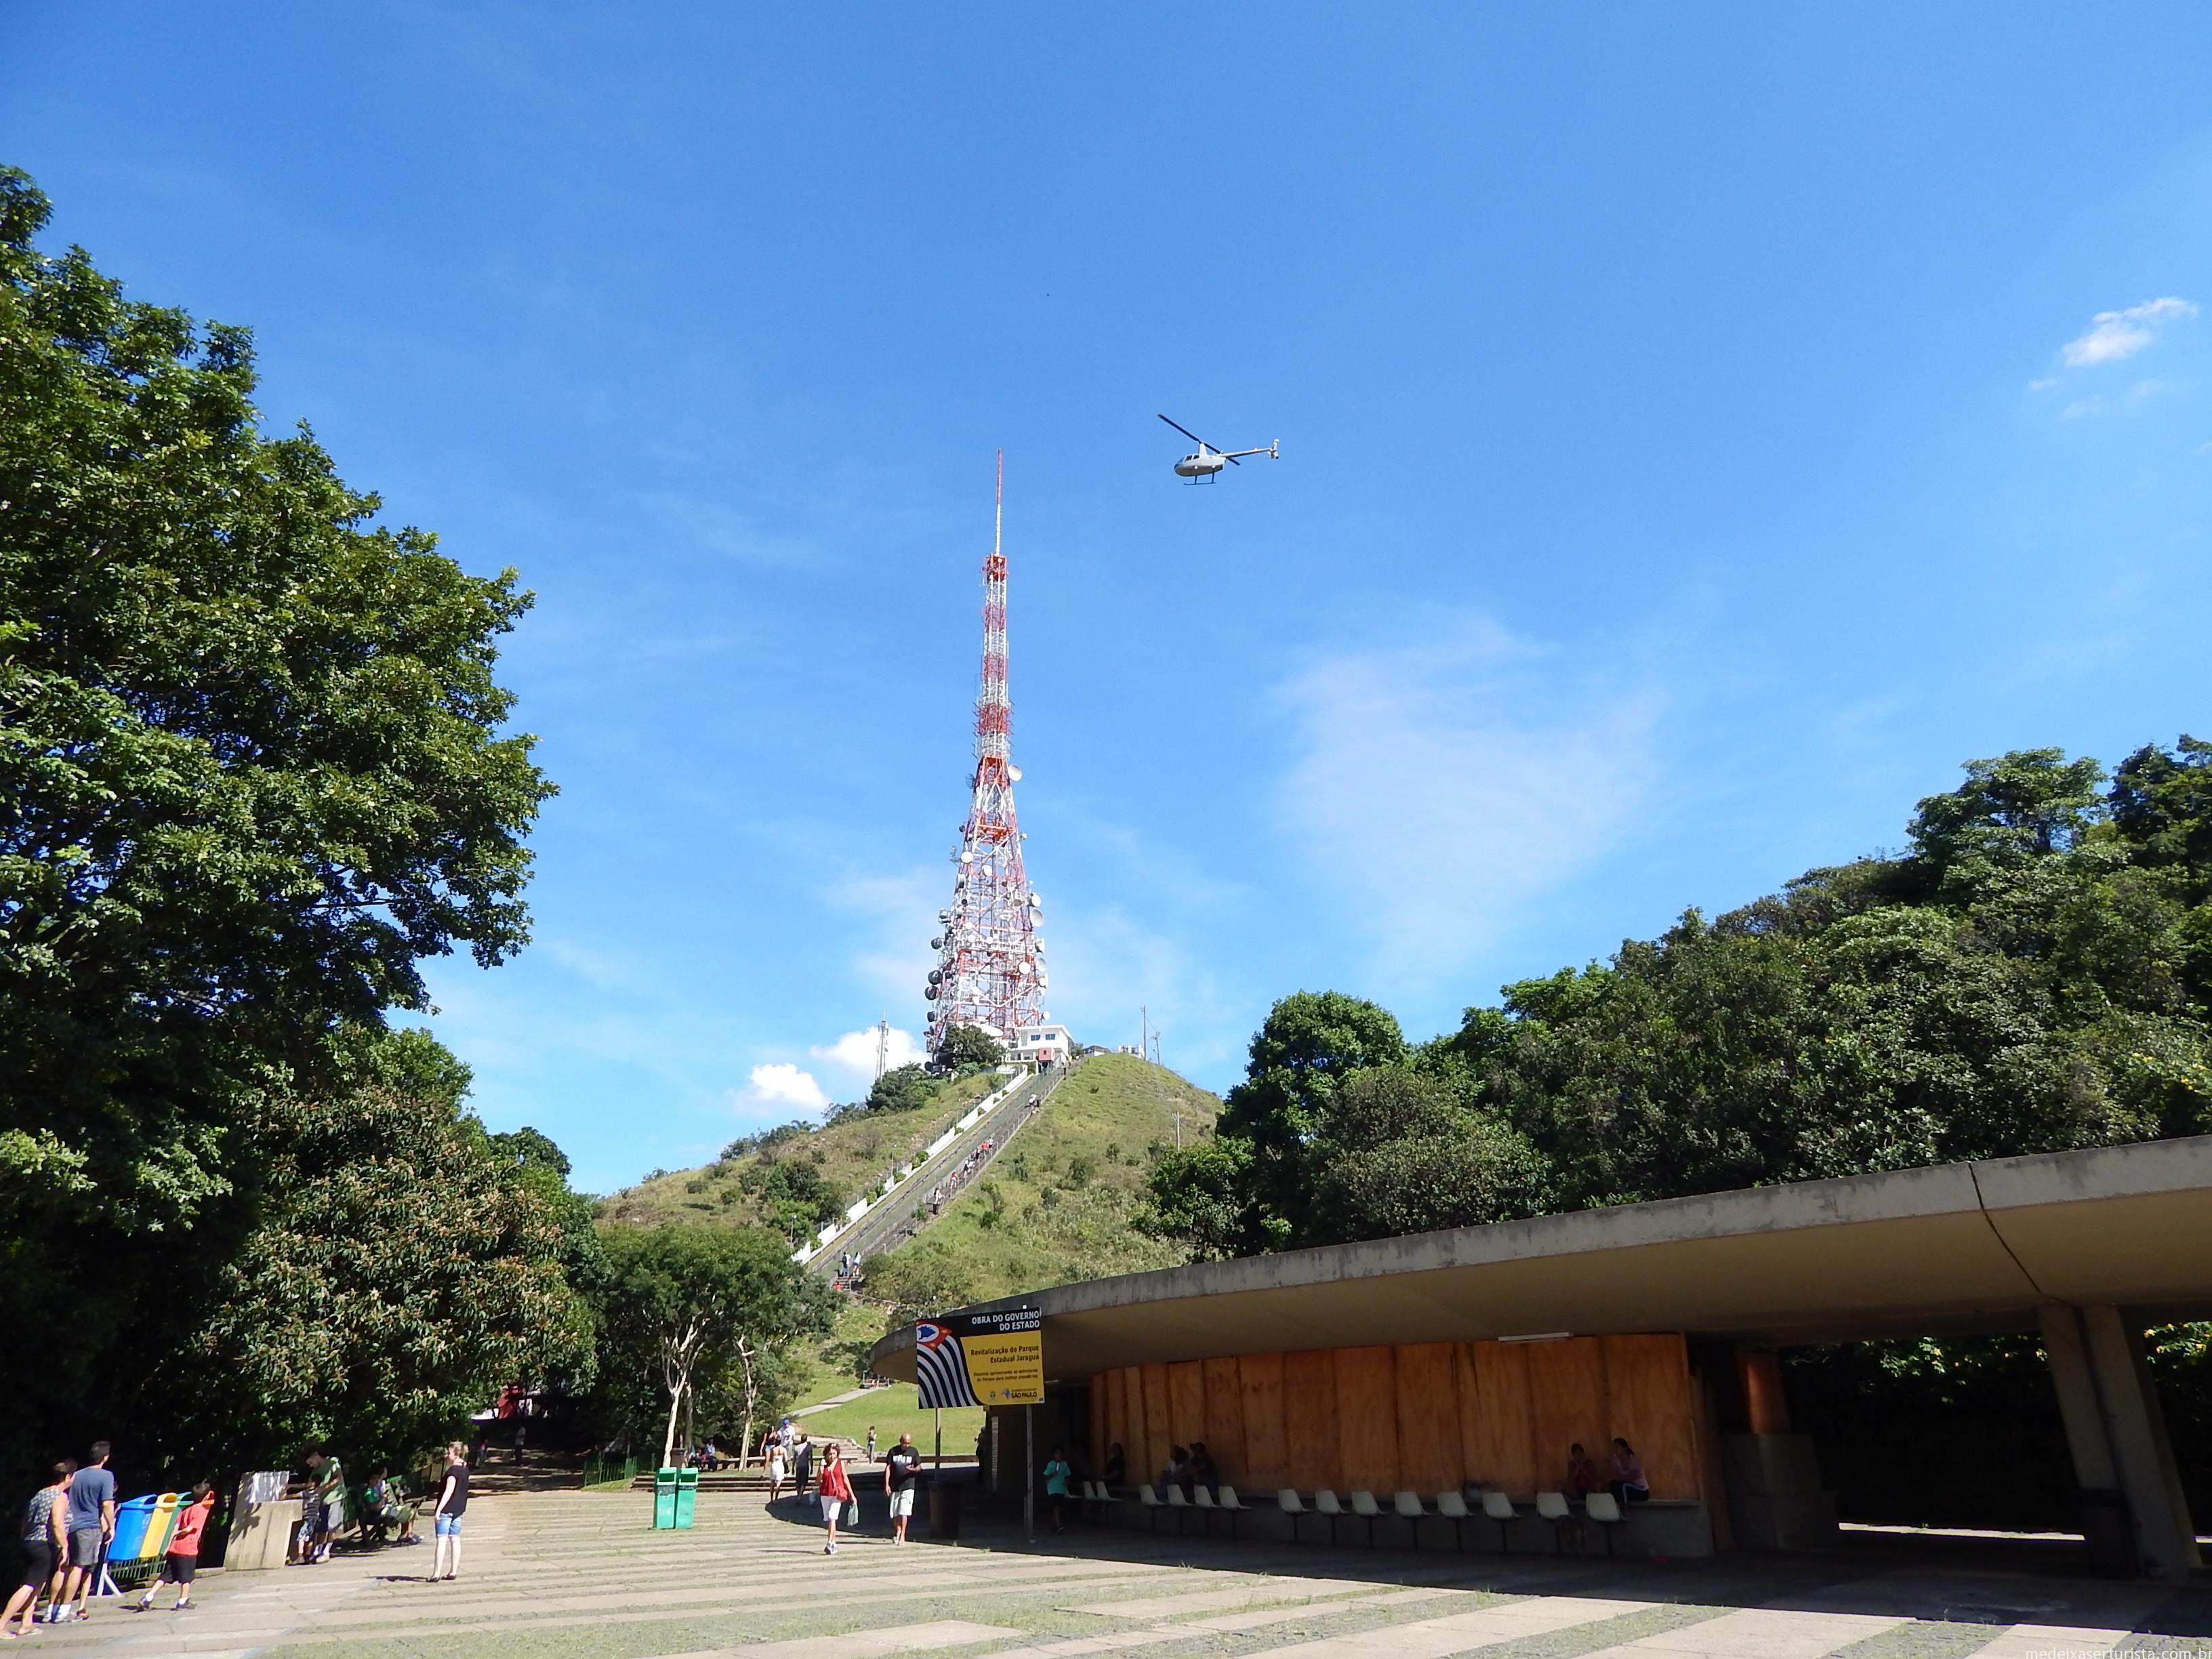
column 1959, row 1247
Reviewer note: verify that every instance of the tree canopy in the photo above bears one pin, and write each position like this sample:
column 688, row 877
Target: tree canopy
column 2032, row 975
column 687, row 1305
column 254, row 768
column 968, row 1045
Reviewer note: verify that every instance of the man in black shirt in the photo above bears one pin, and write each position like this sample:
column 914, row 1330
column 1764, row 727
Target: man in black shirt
column 902, row 1475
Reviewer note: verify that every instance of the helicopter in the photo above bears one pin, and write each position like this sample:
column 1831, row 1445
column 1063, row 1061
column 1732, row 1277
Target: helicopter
column 1200, row 467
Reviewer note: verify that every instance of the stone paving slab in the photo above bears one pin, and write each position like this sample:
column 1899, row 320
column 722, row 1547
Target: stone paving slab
column 1238, row 1595
column 568, row 1575
column 1432, row 1639
column 2041, row 1641
column 907, row 1638
column 1763, row 1633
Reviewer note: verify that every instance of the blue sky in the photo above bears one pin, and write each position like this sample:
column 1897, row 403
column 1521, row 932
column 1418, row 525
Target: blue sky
column 1702, row 429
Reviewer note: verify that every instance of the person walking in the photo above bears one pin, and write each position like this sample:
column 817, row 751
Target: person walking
column 445, row 1519
column 334, row 1497
column 902, row 1477
column 1056, row 1474
column 836, row 1491
column 871, row 1442
column 803, row 1459
column 91, row 1524
column 45, row 1550
column 777, row 1470
column 182, row 1558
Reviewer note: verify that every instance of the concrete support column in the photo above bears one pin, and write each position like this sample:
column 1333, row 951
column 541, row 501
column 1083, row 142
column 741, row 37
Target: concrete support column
column 2116, row 1430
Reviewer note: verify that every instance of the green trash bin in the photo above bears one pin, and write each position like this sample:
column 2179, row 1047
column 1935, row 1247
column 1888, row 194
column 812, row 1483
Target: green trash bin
column 687, row 1495
column 663, row 1499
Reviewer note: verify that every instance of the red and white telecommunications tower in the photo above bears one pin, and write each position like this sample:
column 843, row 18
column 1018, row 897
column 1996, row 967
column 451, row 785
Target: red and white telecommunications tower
column 990, row 966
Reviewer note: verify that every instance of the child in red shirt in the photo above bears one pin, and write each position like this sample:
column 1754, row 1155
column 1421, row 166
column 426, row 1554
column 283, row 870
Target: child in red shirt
column 183, row 1557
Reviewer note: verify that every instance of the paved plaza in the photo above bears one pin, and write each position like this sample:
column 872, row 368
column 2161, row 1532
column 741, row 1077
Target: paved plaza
column 574, row 1575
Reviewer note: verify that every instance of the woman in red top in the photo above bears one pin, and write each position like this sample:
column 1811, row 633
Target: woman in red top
column 836, row 1490
column 182, row 1559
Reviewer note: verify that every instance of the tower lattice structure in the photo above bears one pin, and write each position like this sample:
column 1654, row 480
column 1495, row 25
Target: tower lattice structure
column 990, row 969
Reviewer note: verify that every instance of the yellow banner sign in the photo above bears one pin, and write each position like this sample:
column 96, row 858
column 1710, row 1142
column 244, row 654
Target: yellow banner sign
column 1006, row 1370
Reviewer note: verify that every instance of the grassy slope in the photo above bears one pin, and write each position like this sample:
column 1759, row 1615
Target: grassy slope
column 1025, row 1226
column 849, row 1155
column 1114, row 1110
column 894, row 1411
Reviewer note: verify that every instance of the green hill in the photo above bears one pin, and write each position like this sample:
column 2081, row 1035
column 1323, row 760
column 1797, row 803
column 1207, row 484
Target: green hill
column 1059, row 1203
column 797, row 1177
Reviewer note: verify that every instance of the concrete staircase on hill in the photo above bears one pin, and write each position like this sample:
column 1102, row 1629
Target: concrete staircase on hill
column 904, row 1211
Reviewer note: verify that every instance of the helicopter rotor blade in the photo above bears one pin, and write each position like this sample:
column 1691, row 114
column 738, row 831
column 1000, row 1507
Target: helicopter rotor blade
column 1188, row 434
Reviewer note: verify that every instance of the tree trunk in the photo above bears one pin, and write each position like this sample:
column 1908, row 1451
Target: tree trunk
column 675, row 1403
column 752, row 1397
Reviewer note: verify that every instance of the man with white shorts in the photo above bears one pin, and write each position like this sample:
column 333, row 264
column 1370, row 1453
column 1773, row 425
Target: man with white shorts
column 902, row 1477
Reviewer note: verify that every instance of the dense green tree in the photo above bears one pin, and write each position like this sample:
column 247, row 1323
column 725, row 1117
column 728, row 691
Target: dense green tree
column 681, row 1305
column 254, row 766
column 400, row 1272
column 1246, row 1190
column 2029, row 976
column 1399, row 1151
column 796, row 1198
column 901, row 1088
column 967, row 1047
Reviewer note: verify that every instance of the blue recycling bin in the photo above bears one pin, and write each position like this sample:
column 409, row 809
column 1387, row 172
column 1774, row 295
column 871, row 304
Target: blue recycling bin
column 131, row 1518
column 663, row 1499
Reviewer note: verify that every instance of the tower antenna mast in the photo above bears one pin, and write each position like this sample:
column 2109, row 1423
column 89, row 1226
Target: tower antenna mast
column 990, row 970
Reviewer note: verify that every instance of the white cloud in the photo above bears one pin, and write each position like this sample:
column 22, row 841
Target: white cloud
column 778, row 1086
column 1443, row 789
column 854, row 1053
column 2113, row 335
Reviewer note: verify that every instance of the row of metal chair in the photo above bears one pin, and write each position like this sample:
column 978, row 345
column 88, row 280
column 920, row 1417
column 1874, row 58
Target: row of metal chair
column 1601, row 1507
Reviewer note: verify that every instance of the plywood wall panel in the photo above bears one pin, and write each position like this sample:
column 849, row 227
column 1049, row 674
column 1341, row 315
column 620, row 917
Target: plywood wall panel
column 1428, row 1418
column 1655, row 1410
column 1470, row 1413
column 1187, row 1401
column 1159, row 1425
column 1505, row 1444
column 1266, row 1452
column 1110, row 1385
column 1567, row 1403
column 1367, row 1417
column 1422, row 1416
column 1313, row 1458
column 1224, row 1419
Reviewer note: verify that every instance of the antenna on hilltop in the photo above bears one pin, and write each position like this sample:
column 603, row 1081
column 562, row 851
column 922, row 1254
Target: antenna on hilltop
column 990, row 970
column 883, row 1048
